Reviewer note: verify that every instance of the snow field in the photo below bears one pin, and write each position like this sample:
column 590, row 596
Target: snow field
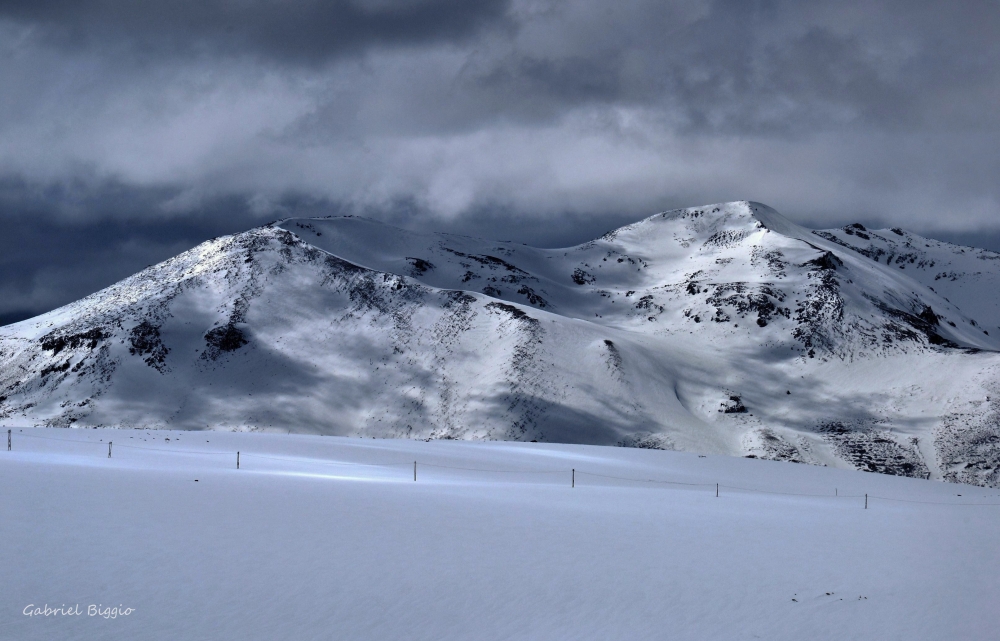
column 330, row 538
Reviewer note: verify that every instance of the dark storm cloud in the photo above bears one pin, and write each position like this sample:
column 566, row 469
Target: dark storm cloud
column 305, row 31
column 743, row 67
column 130, row 131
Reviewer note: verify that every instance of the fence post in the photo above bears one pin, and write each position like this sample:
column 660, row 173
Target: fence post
column 866, row 500
column 237, row 460
column 109, row 449
column 835, row 493
column 414, row 471
column 8, row 440
column 574, row 478
column 716, row 490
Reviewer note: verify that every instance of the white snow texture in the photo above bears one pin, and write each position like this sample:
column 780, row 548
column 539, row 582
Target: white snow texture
column 318, row 538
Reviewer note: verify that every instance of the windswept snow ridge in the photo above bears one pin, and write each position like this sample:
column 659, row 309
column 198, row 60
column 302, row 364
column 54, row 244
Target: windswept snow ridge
column 722, row 329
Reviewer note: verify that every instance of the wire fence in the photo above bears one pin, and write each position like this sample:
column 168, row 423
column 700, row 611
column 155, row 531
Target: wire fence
column 572, row 473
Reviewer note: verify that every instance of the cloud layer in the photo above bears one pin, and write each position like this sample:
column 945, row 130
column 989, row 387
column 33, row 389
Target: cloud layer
column 165, row 121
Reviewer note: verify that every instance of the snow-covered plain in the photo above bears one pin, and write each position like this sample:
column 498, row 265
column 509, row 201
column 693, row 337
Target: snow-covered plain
column 330, row 538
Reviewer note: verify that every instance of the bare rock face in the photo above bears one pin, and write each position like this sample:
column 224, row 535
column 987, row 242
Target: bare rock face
column 723, row 329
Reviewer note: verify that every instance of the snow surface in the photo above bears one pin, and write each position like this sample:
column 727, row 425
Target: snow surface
column 330, row 538
column 723, row 329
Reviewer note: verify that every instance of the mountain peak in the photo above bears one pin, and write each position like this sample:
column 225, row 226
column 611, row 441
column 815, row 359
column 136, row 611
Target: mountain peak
column 731, row 219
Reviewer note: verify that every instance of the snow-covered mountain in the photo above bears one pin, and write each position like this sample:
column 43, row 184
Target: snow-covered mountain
column 722, row 329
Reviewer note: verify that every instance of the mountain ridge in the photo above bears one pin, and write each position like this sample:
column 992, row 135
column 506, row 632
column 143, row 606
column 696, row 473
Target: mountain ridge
column 724, row 328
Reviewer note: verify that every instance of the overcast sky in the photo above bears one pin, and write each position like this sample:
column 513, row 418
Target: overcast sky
column 130, row 131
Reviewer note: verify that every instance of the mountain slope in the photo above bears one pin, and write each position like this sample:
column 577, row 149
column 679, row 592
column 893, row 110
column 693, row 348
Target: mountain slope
column 724, row 329
column 964, row 275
